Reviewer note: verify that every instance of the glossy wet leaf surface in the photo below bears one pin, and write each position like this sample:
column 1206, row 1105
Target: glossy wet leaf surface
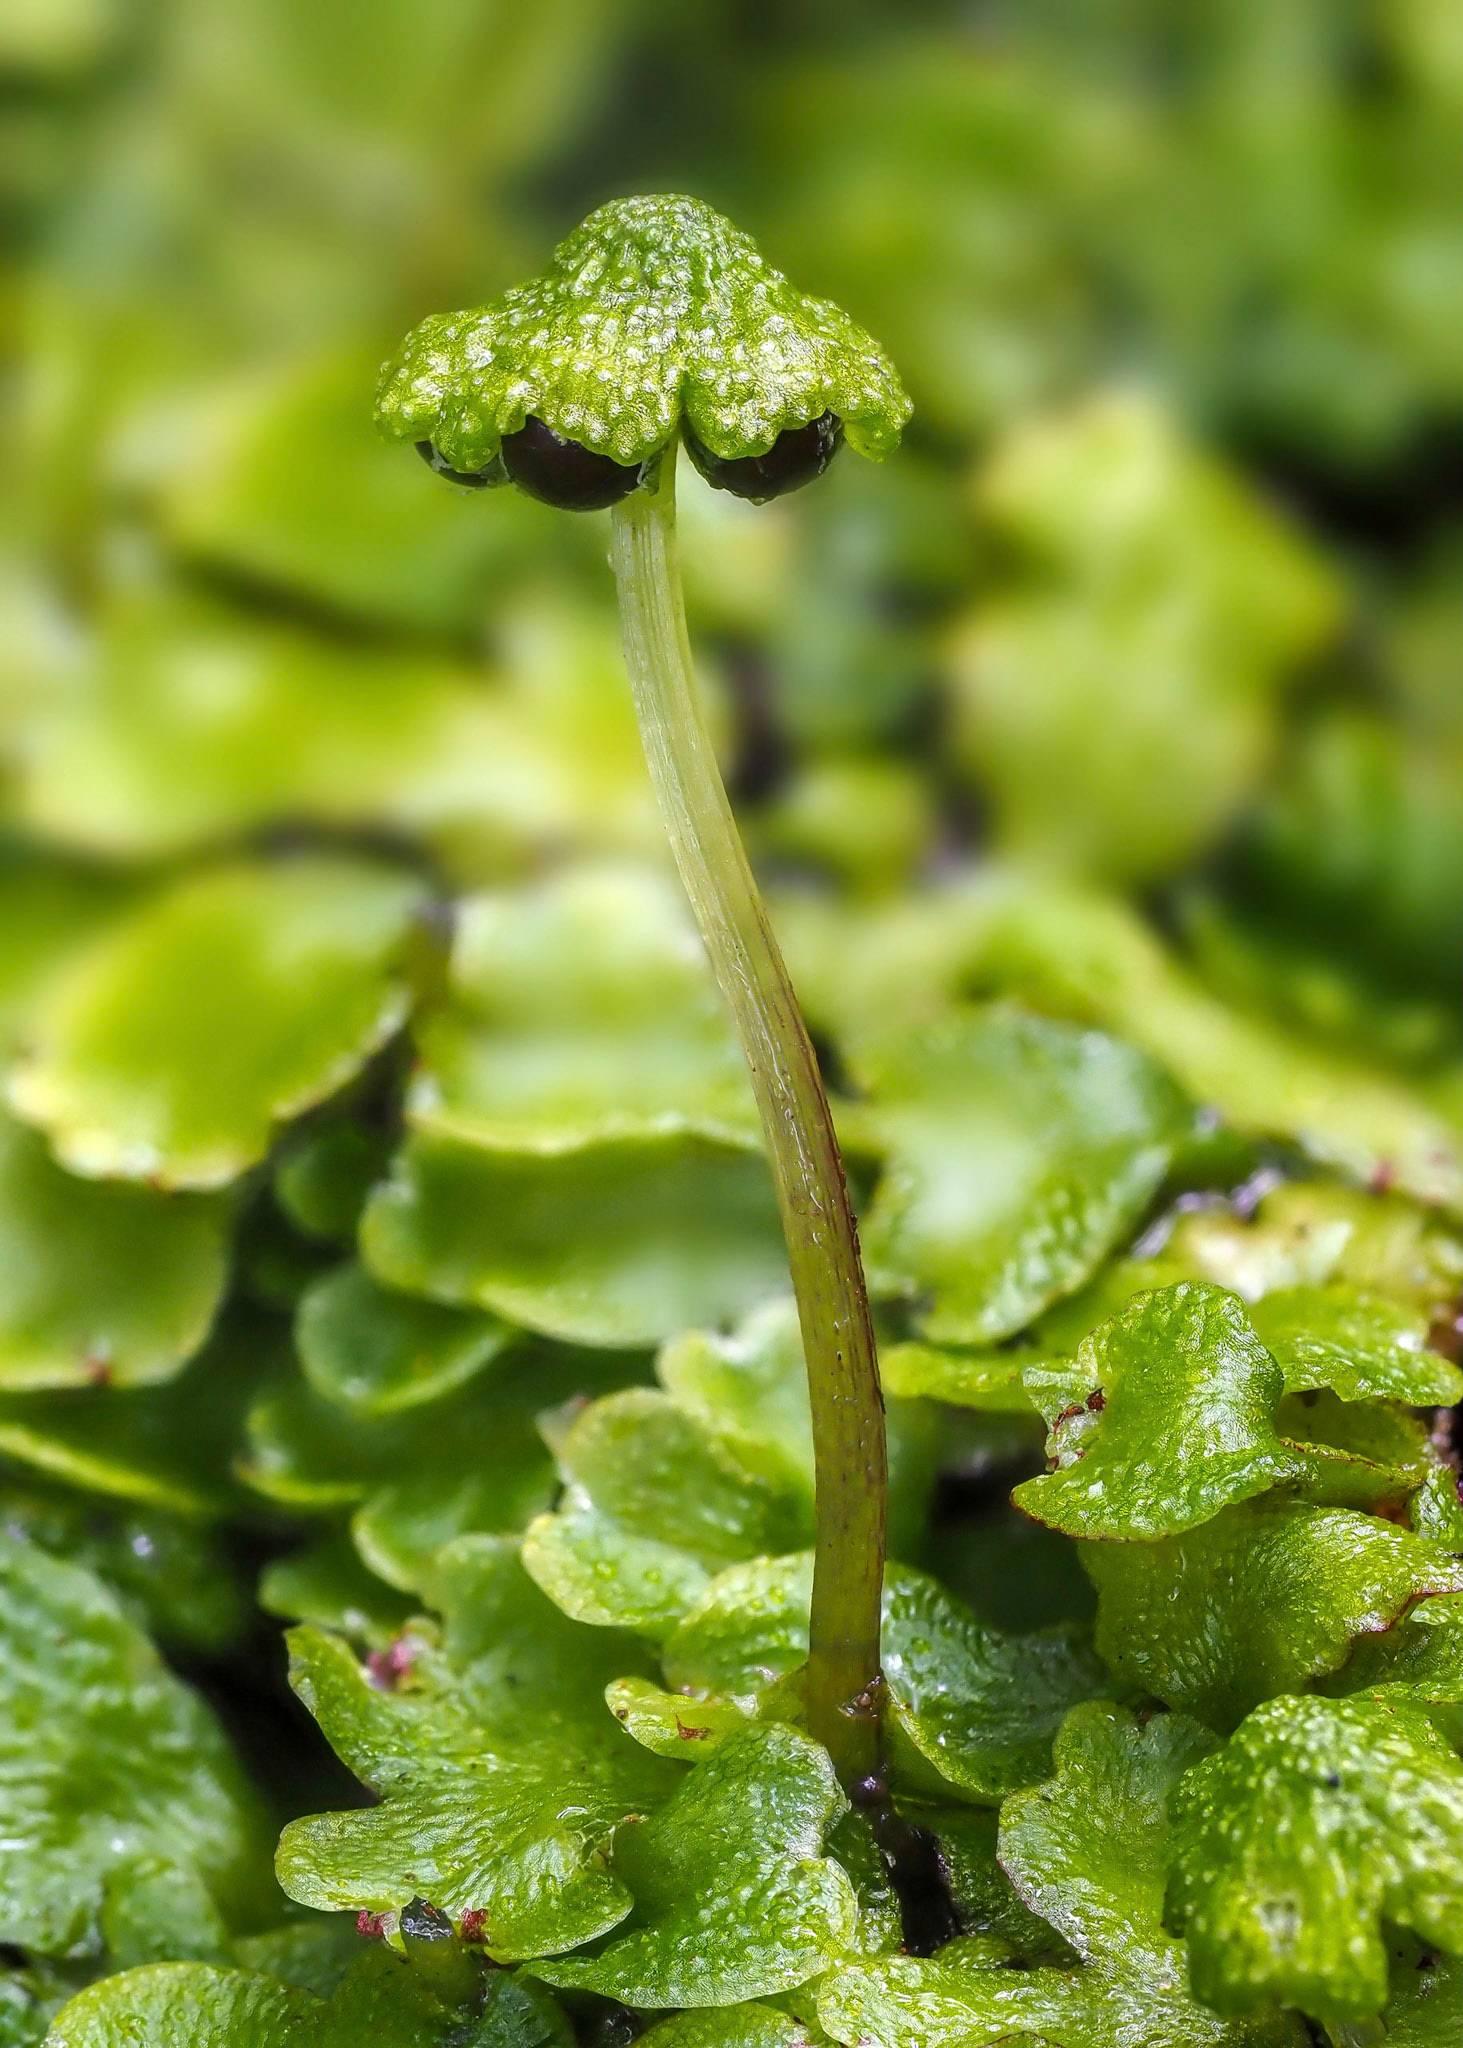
column 172, row 1049
column 580, row 1009
column 972, row 1711
column 1018, row 1152
column 748, row 1825
column 382, row 1998
column 619, row 1243
column 122, row 1794
column 501, row 1775
column 1264, row 1598
column 656, row 1504
column 665, row 1488
column 100, row 1283
column 1317, row 1821
column 173, row 1576
column 1164, row 1417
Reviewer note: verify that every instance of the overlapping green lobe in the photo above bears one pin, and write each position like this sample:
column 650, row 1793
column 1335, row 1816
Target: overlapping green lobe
column 1115, row 693
column 180, row 731
column 1018, row 1152
column 656, row 1504
column 653, row 310
column 957, row 2000
column 500, row 1773
column 752, row 2025
column 167, row 1447
column 100, row 1282
column 126, row 1819
column 1361, row 1346
column 1419, row 1661
column 378, row 1352
column 580, row 1009
column 382, row 1999
column 971, row 1712
column 1267, row 1596
column 173, row 1047
column 1086, row 1850
column 1319, row 1821
column 174, row 1576
column 1165, row 1416
column 664, row 1489
column 734, row 1898
column 620, row 1242
column 1092, row 957
column 416, row 1477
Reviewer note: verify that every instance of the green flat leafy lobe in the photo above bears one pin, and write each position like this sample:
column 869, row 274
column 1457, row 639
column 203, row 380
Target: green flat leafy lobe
column 135, row 760
column 381, row 1999
column 1358, row 1344
column 734, row 1897
column 656, row 1504
column 1420, row 1661
column 1095, row 957
column 662, row 1490
column 622, row 1242
column 739, row 2026
column 1018, row 1152
column 1115, row 694
column 120, row 1794
column 1165, row 1416
column 355, row 531
column 164, row 1446
column 1362, row 1346
column 1318, row 1820
column 581, row 1008
column 376, row 1351
column 171, row 1050
column 960, row 2001
column 500, row 1772
column 654, row 309
column 1322, row 1234
column 174, row 1577
column 674, row 1725
column 1268, row 1595
column 414, row 1479
column 322, row 1176
column 1426, row 2006
column 1086, row 1850
column 327, row 1582
column 750, row 1386
column 990, row 1381
column 970, row 1710
column 175, row 2005
column 100, row 1282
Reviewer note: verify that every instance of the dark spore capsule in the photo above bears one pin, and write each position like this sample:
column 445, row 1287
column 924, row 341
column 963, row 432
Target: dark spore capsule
column 559, row 472
column 475, row 479
column 796, row 457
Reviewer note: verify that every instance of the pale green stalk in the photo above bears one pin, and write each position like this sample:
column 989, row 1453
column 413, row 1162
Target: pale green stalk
column 807, row 1167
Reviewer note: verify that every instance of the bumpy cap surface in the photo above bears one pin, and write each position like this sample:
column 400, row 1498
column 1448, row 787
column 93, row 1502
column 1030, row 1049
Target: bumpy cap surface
column 653, row 311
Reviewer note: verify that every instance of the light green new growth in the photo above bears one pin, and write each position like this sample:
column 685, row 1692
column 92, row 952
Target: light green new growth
column 653, row 311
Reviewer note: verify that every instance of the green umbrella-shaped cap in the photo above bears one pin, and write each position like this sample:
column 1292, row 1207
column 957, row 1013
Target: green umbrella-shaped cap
column 654, row 313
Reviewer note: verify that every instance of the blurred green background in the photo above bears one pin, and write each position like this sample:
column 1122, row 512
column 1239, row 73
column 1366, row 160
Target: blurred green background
column 1161, row 592
column 1155, row 622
